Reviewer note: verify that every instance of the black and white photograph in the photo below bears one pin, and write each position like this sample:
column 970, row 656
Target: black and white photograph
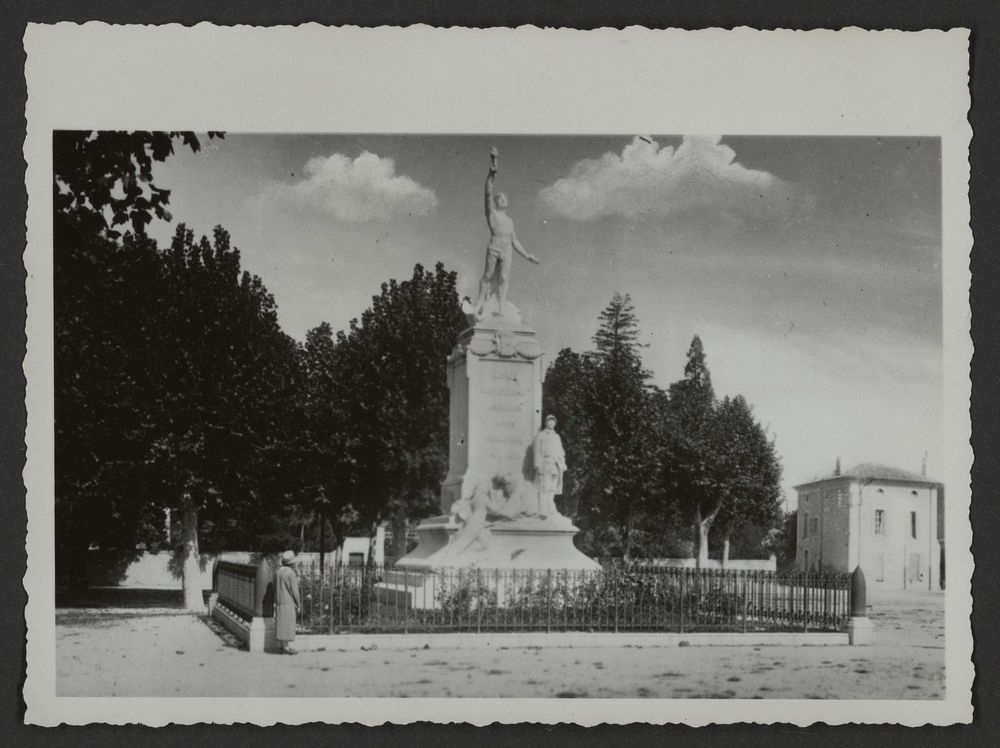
column 381, row 413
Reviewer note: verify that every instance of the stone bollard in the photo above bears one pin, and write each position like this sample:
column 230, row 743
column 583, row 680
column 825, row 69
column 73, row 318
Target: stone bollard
column 860, row 630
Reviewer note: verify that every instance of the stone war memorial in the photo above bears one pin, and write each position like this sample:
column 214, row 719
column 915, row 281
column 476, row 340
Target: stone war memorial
column 504, row 468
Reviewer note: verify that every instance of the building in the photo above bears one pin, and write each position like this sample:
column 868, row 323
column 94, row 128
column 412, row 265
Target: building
column 879, row 518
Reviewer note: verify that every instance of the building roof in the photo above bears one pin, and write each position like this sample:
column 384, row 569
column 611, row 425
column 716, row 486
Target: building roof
column 872, row 471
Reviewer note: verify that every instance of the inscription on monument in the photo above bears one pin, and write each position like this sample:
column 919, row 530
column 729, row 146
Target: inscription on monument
column 508, row 413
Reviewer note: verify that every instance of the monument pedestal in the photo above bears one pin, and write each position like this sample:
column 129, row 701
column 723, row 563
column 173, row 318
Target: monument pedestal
column 495, row 408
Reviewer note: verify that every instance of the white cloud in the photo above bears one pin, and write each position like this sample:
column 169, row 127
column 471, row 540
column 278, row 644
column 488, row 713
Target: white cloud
column 366, row 188
column 700, row 176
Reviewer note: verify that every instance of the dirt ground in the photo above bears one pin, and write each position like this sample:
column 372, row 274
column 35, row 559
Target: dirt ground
column 162, row 651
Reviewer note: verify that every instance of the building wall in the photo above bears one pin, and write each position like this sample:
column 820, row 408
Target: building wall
column 155, row 571
column 837, row 531
column 823, row 540
column 894, row 559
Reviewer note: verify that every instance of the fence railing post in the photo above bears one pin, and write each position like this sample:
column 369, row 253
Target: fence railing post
column 805, row 602
column 548, row 605
column 683, row 599
column 744, row 594
column 406, row 600
column 479, row 600
column 617, row 582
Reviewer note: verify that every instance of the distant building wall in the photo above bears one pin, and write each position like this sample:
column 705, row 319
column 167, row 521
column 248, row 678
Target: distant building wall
column 823, row 537
column 887, row 527
column 154, row 570
column 897, row 536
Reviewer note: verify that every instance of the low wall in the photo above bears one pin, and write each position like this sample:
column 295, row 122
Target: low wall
column 257, row 635
column 152, row 571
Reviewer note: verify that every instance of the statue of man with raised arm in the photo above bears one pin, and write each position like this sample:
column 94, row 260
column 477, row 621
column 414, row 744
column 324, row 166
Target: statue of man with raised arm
column 503, row 243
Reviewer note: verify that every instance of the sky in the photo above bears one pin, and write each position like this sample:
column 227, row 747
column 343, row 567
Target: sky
column 810, row 267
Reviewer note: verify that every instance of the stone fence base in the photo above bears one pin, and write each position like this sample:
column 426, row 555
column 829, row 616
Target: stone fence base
column 257, row 634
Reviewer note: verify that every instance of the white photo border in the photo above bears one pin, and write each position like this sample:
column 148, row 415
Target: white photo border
column 419, row 79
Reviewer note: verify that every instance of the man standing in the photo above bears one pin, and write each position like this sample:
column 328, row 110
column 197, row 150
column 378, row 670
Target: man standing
column 503, row 243
column 286, row 602
column 550, row 464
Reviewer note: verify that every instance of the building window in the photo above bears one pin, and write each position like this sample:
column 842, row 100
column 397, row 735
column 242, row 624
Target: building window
column 913, row 525
column 879, row 491
column 880, row 522
column 805, row 525
column 814, row 526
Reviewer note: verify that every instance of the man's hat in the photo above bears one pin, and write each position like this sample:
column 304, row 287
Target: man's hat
column 287, row 557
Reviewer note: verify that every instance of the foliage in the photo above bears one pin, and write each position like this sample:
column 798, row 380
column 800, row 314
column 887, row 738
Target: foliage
column 720, row 467
column 608, row 415
column 103, row 294
column 392, row 395
column 462, row 595
column 781, row 541
column 104, row 179
column 750, row 483
column 566, row 395
column 171, row 377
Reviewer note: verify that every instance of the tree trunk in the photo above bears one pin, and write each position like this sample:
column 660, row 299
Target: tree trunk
column 398, row 536
column 193, row 598
column 628, row 536
column 702, row 527
column 702, row 524
column 322, row 542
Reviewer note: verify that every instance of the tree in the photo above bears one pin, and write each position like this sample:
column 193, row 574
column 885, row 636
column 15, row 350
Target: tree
column 101, row 316
column 220, row 371
column 566, row 395
column 318, row 472
column 606, row 412
column 392, row 391
column 104, row 179
column 720, row 466
column 750, row 473
column 691, row 467
column 782, row 540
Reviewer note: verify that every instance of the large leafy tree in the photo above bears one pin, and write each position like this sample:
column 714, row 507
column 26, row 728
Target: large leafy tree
column 691, row 466
column 719, row 467
column 220, row 374
column 566, row 395
column 392, row 393
column 102, row 181
column 750, row 474
column 318, row 472
column 609, row 413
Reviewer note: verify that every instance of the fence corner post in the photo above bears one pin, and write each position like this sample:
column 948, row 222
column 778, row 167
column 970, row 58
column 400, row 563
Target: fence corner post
column 213, row 598
column 262, row 625
column 860, row 630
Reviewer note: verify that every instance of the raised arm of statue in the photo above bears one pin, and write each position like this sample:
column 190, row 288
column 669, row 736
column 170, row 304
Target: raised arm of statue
column 490, row 179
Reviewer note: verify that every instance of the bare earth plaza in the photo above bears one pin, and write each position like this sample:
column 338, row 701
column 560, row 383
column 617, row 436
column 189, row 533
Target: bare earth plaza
column 629, row 417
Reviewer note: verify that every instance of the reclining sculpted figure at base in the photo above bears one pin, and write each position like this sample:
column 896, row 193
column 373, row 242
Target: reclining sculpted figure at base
column 490, row 501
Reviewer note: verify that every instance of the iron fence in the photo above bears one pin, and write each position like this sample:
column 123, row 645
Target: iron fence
column 236, row 586
column 617, row 597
